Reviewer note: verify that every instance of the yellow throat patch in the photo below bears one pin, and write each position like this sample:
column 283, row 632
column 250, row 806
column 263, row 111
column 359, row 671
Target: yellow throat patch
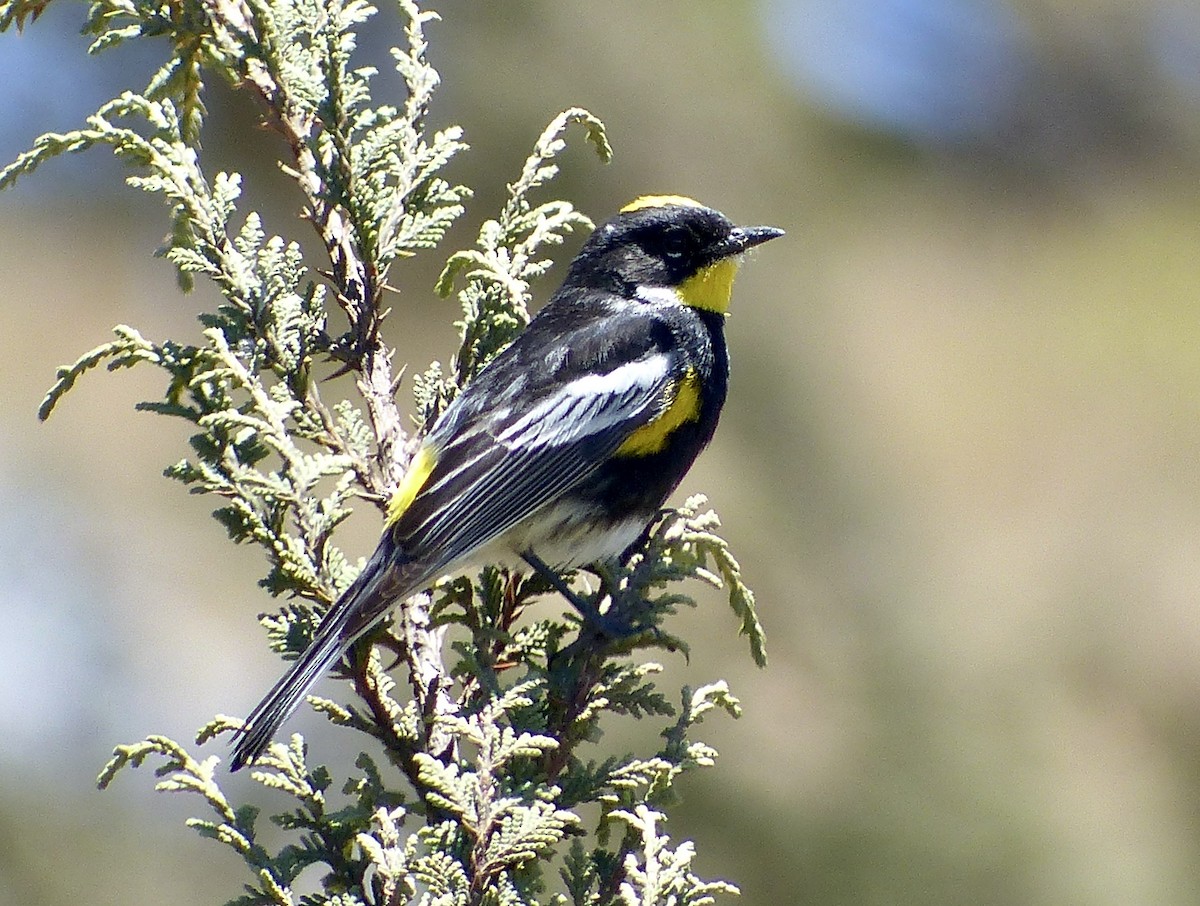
column 652, row 437
column 710, row 288
column 410, row 485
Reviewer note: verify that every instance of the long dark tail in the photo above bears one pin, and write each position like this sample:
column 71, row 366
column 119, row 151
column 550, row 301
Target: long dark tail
column 385, row 579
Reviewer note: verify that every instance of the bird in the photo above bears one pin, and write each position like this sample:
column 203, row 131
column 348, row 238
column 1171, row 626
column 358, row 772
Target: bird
column 565, row 446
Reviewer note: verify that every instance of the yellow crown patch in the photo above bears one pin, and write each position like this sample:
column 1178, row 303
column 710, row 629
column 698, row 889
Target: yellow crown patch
column 660, row 201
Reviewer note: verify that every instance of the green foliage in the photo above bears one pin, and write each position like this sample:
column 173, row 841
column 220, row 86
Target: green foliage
column 498, row 272
column 489, row 761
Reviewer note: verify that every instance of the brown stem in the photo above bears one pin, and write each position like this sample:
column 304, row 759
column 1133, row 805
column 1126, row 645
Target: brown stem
column 583, row 670
column 358, row 289
column 427, row 673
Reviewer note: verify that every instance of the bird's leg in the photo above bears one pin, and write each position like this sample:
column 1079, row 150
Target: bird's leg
column 610, row 625
column 627, row 608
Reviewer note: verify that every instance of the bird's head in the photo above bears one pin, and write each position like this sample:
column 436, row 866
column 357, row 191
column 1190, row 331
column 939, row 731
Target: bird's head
column 667, row 248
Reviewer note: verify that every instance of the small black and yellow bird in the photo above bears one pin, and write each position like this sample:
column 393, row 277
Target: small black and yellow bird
column 562, row 450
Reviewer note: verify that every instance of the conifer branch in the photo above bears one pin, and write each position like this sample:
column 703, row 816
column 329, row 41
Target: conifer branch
column 490, row 743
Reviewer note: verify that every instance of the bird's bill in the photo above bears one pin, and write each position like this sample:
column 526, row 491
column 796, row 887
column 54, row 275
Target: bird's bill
column 742, row 239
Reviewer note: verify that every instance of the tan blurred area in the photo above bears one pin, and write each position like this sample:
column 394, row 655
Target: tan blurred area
column 958, row 465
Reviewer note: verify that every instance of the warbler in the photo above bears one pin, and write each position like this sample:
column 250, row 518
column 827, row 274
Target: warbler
column 563, row 448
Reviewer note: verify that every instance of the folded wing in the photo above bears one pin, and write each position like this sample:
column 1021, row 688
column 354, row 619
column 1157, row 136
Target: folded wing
column 499, row 471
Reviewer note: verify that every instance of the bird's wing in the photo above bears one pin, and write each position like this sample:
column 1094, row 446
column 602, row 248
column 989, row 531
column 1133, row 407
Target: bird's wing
column 498, row 470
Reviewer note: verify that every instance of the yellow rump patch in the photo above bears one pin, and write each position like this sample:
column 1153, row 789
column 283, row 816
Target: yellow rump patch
column 652, row 437
column 660, row 201
column 410, row 485
column 710, row 287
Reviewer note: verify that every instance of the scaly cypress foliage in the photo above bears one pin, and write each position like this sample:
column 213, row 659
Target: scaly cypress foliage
column 490, row 750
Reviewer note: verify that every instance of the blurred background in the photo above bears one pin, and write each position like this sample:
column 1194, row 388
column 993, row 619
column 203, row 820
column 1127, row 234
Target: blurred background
column 958, row 464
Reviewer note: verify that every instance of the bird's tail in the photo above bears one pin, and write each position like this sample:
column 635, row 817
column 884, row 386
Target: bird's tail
column 382, row 582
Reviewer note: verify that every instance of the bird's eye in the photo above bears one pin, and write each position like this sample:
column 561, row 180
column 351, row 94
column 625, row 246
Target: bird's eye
column 675, row 243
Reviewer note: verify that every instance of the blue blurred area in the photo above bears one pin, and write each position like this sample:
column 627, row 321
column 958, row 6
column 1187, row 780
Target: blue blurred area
column 1025, row 81
column 937, row 71
column 1175, row 40
column 48, row 83
column 54, row 597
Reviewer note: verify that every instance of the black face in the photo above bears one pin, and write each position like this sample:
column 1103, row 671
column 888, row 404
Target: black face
column 659, row 246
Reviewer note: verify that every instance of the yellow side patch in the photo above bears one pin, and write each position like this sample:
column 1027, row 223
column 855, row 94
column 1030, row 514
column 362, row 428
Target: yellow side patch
column 660, row 201
column 710, row 287
column 410, row 485
column 652, row 437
